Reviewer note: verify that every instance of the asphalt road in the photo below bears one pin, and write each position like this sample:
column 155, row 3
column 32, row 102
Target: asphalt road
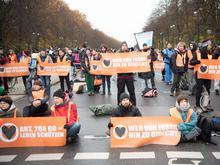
column 92, row 147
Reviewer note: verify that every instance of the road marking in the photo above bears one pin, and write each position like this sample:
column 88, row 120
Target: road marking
column 7, row 158
column 48, row 156
column 216, row 154
column 92, row 155
column 137, row 155
column 96, row 137
column 190, row 155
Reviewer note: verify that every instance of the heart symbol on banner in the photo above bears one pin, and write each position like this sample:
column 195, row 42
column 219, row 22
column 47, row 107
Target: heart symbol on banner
column 2, row 69
column 106, row 62
column 9, row 131
column 203, row 68
column 120, row 131
column 94, row 67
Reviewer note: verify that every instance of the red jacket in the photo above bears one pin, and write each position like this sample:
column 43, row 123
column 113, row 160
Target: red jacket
column 62, row 110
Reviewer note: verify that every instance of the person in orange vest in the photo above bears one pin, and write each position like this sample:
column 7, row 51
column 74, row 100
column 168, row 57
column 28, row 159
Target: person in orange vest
column 190, row 72
column 187, row 119
column 64, row 107
column 206, row 53
column 12, row 56
column 179, row 62
column 62, row 57
column 45, row 58
column 7, row 108
column 38, row 101
column 25, row 58
column 216, row 55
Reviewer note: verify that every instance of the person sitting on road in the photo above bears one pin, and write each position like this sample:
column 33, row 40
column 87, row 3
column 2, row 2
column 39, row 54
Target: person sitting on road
column 38, row 101
column 63, row 106
column 7, row 108
column 187, row 119
column 125, row 109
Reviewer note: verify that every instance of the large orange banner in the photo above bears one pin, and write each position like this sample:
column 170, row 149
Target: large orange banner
column 14, row 70
column 112, row 63
column 209, row 69
column 47, row 69
column 32, row 131
column 140, row 131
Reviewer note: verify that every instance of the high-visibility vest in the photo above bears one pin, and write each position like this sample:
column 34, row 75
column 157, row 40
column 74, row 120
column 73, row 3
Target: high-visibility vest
column 180, row 60
column 25, row 59
column 175, row 113
column 38, row 94
column 190, row 56
column 39, row 60
column 64, row 60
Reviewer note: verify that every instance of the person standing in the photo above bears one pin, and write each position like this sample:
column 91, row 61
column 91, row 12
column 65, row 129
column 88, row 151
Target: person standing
column 206, row 53
column 167, row 53
column 85, row 64
column 125, row 79
column 41, row 59
column 105, row 78
column 216, row 55
column 62, row 58
column 4, row 59
column 179, row 62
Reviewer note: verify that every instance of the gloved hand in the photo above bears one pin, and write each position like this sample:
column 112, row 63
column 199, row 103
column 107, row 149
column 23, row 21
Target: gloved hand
column 66, row 126
column 110, row 125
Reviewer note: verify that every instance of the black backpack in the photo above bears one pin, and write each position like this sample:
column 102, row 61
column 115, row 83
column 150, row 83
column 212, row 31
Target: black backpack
column 205, row 124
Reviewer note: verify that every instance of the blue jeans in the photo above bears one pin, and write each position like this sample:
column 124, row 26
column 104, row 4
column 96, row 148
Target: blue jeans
column 168, row 73
column 46, row 83
column 73, row 130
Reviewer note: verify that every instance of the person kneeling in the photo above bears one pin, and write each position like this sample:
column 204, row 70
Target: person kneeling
column 38, row 101
column 7, row 108
column 124, row 109
column 63, row 106
column 187, row 119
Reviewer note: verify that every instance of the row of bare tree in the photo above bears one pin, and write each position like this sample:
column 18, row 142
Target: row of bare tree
column 44, row 23
column 185, row 20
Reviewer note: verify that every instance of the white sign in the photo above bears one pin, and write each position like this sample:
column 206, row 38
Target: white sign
column 144, row 37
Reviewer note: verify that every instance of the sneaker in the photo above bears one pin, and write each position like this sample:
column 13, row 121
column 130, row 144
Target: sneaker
column 109, row 93
column 171, row 94
column 102, row 93
column 198, row 110
column 217, row 92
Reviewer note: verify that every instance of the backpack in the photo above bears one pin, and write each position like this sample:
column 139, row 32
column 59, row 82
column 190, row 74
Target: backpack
column 102, row 110
column 216, row 123
column 205, row 124
column 149, row 92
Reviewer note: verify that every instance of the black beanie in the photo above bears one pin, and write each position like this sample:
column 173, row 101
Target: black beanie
column 123, row 96
column 59, row 93
column 7, row 99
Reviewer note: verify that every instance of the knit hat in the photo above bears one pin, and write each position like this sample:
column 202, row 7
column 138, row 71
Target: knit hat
column 123, row 96
column 7, row 99
column 38, row 82
column 206, row 42
column 59, row 93
column 180, row 98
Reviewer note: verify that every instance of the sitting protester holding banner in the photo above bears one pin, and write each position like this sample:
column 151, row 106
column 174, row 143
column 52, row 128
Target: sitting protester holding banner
column 124, row 109
column 7, row 108
column 38, row 101
column 187, row 119
column 63, row 106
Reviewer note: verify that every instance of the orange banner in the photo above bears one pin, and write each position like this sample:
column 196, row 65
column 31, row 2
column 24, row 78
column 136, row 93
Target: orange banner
column 209, row 69
column 14, row 70
column 140, row 131
column 112, row 63
column 47, row 69
column 158, row 66
column 32, row 131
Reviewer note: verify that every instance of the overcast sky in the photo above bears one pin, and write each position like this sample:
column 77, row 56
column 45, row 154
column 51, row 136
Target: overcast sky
column 117, row 18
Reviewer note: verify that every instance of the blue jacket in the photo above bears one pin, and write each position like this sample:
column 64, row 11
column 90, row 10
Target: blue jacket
column 167, row 55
